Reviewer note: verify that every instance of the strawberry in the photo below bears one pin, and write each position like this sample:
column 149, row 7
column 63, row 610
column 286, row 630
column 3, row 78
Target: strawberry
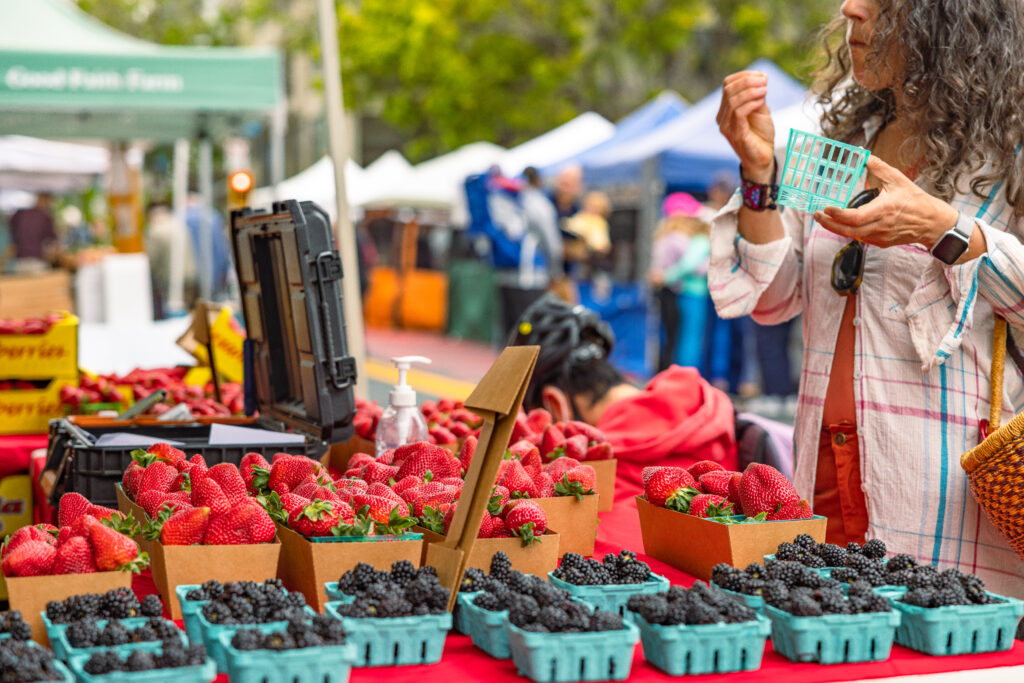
column 485, row 526
column 710, row 505
column 447, row 405
column 419, row 458
column 230, row 528
column 313, row 489
column 132, row 479
column 544, row 486
column 113, row 550
column 186, row 527
column 526, row 520
column 74, row 556
column 467, row 417
column 230, row 480
column 365, row 425
column 387, row 457
column 734, row 491
column 35, row 532
column 578, row 482
column 360, row 459
column 250, row 461
column 166, row 452
column 158, row 477
column 466, row 453
column 703, row 467
column 379, row 472
column 63, row 535
column 461, row 430
column 31, row 558
column 260, row 527
column 763, row 488
column 434, row 500
column 499, row 498
column 317, row 518
column 183, row 482
column 521, row 429
column 291, row 502
column 384, row 491
column 406, row 483
column 516, row 480
column 798, row 509
column 600, row 451
column 574, row 427
column 150, row 501
column 551, row 440
column 442, row 435
column 100, row 512
column 288, row 471
column 378, row 508
column 71, row 507
column 669, row 485
column 528, row 455
column 575, row 447
column 716, row 482
column 648, row 472
column 208, row 493
column 350, row 487
column 538, row 420
column 559, row 466
column 499, row 529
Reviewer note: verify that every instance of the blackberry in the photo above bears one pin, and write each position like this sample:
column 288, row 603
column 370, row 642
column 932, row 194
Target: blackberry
column 832, row 602
column 518, row 582
column 805, row 541
column 726, row 576
column 860, row 587
column 216, row 612
column 403, row 572
column 787, row 572
column 899, row 578
column 164, row 630
column 877, row 603
column 570, row 560
column 274, row 583
column 786, row 551
column 626, row 556
column 490, row 602
column 754, row 571
column 140, row 660
column 901, row 562
column 775, row 592
column 634, row 572
column 858, row 561
column 500, row 565
column 579, row 616
column 921, row 597
column 922, row 576
column 804, row 606
column 83, row 633
column 652, row 607
column 213, row 589
column 602, row 620
column 114, row 633
column 329, row 628
column 120, row 603
column 734, row 612
column 472, row 580
column 103, row 663
column 357, row 578
column 56, row 611
column 522, row 609
column 553, row 618
column 196, row 594
column 845, row 575
column 753, row 587
column 833, row 555
column 852, row 547
column 546, row 594
column 974, row 589
column 813, row 561
column 943, row 597
column 874, row 549
column 15, row 625
column 151, row 606
column 701, row 613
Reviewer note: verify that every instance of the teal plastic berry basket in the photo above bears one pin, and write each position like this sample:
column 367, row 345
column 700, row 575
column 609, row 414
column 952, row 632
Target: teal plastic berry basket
column 182, row 674
column 819, row 172
column 63, row 649
column 211, row 635
column 189, row 612
column 611, row 597
column 335, row 594
column 754, row 602
column 56, row 632
column 825, row 572
column 459, row 614
column 565, row 657
column 66, row 676
column 959, row 629
column 486, row 628
column 396, row 641
column 326, row 664
column 834, row 638
column 707, row 648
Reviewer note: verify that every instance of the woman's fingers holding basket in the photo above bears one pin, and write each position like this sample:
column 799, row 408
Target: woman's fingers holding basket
column 902, row 214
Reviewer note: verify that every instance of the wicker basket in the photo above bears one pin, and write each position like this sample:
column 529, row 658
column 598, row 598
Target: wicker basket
column 995, row 467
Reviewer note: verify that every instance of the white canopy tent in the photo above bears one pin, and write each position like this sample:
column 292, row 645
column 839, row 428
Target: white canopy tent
column 38, row 165
column 569, row 139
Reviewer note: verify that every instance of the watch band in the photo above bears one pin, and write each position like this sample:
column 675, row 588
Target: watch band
column 956, row 241
column 760, row 196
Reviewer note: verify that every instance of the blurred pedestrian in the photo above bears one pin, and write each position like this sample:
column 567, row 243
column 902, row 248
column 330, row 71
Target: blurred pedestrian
column 688, row 275
column 34, row 244
column 171, row 256
column 211, row 248
column 670, row 242
column 542, row 220
column 567, row 192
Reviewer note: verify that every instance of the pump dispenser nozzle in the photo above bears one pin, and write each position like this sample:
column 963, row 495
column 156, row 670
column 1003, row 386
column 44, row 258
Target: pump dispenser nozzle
column 403, row 395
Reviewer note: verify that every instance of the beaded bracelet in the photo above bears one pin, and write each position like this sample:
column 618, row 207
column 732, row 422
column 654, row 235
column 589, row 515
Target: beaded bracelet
column 759, row 196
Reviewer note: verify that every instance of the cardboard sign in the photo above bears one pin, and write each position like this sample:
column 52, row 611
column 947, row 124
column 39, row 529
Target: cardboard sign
column 496, row 399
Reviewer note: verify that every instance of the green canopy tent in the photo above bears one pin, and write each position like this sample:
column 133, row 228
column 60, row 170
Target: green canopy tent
column 64, row 74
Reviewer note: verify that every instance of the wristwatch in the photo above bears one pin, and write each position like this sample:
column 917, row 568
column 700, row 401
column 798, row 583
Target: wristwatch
column 955, row 242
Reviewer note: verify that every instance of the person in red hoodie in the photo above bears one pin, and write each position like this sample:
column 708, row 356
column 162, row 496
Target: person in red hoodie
column 678, row 418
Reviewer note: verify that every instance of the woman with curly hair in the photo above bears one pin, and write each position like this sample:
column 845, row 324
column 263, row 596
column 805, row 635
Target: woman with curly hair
column 899, row 295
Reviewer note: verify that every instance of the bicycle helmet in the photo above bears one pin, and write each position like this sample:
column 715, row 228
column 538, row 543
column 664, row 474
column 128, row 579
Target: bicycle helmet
column 570, row 338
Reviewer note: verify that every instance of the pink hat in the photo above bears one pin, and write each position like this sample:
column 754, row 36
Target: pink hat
column 681, row 204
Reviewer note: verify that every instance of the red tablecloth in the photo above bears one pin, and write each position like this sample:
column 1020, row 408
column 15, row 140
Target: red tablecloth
column 620, row 528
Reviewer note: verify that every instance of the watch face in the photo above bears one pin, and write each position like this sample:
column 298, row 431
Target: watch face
column 950, row 248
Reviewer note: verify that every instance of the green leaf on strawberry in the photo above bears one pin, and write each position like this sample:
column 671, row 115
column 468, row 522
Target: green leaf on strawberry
column 136, row 566
column 432, row 519
column 260, row 478
column 564, row 487
column 143, row 457
column 494, row 505
column 122, row 524
column 362, row 526
column 525, row 532
column 680, row 500
column 271, row 502
column 519, row 495
column 397, row 523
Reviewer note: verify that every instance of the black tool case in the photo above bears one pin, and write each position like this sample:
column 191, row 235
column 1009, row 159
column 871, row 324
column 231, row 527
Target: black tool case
column 298, row 373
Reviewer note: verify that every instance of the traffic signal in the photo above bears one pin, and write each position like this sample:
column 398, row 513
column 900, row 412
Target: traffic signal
column 239, row 185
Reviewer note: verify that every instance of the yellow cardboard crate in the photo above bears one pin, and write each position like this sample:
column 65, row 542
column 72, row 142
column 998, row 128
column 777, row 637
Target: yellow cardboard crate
column 15, row 509
column 29, row 411
column 41, row 356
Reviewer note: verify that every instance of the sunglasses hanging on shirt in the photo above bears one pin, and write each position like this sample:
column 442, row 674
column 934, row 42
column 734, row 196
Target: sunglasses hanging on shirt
column 848, row 264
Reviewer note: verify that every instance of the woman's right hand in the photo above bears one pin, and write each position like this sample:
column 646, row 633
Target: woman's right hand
column 747, row 124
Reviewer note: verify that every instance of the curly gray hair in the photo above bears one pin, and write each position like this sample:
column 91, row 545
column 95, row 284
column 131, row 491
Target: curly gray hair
column 963, row 84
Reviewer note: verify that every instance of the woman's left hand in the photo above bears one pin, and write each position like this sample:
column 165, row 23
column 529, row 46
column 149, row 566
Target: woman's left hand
column 902, row 214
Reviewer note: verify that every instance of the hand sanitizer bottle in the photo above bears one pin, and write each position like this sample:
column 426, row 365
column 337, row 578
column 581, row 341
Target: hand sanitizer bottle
column 402, row 421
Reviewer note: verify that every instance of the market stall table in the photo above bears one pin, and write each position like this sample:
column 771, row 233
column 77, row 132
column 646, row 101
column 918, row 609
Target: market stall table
column 619, row 529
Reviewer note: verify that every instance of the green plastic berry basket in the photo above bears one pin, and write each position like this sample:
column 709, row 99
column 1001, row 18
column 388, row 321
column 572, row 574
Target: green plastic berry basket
column 706, row 648
column 211, row 635
column 325, row 664
column 565, row 657
column 819, row 172
column 959, row 629
column 335, row 594
column 190, row 611
column 63, row 649
column 833, row 638
column 611, row 597
column 56, row 632
column 824, row 572
column 754, row 602
column 459, row 614
column 486, row 628
column 181, row 674
column 395, row 641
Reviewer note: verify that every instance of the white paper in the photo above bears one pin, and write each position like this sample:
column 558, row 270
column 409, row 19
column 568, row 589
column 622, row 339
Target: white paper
column 124, row 439
column 231, row 435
